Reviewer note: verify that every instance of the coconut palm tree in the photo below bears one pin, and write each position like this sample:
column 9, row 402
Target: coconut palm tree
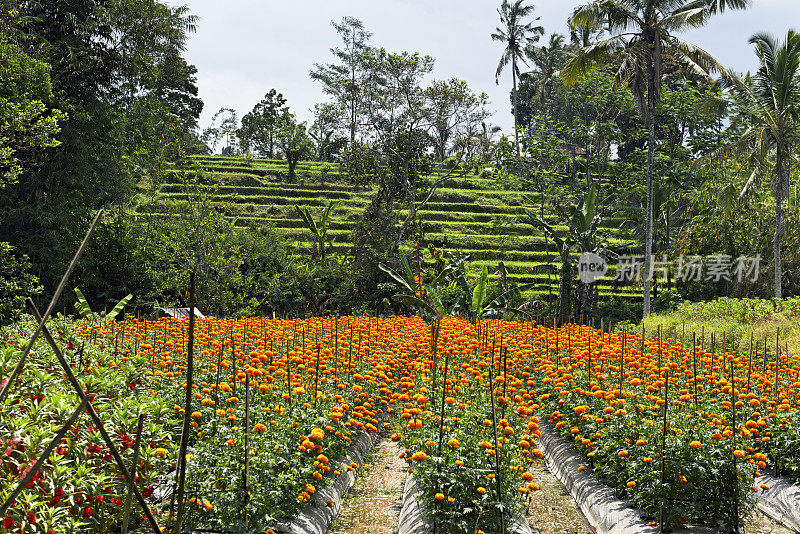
column 547, row 62
column 642, row 33
column 517, row 35
column 769, row 102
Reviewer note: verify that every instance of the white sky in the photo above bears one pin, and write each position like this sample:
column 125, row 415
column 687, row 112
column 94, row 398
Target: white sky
column 243, row 48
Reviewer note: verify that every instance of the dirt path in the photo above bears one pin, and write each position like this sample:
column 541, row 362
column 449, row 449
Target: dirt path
column 759, row 523
column 373, row 505
column 552, row 510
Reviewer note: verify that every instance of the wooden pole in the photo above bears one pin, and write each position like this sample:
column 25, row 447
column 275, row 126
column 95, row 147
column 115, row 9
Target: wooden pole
column 187, row 414
column 498, row 474
column 129, row 497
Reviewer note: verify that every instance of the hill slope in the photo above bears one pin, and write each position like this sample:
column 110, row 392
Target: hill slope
column 468, row 215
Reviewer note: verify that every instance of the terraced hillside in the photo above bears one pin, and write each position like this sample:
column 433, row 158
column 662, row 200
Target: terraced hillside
column 469, row 215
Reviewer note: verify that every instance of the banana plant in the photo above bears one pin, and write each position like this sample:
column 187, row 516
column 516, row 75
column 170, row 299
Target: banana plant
column 427, row 297
column 498, row 305
column 582, row 234
column 82, row 305
column 318, row 229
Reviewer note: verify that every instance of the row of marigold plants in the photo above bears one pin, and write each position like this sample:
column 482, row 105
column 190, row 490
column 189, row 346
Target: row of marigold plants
column 276, row 403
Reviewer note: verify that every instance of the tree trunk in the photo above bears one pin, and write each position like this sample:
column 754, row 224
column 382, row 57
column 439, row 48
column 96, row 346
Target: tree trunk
column 411, row 193
column 565, row 289
column 353, row 112
column 271, row 144
column 651, row 145
column 353, row 123
column 776, row 246
column 514, row 96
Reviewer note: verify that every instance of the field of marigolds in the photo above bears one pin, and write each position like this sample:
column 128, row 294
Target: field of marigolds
column 680, row 428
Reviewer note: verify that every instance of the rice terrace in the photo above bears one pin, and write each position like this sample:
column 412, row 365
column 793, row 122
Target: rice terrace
column 533, row 270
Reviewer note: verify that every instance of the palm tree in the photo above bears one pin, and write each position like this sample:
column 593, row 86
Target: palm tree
column 769, row 103
column 642, row 33
column 547, row 61
column 517, row 36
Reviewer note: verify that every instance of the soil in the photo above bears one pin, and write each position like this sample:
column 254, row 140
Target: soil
column 551, row 509
column 373, row 505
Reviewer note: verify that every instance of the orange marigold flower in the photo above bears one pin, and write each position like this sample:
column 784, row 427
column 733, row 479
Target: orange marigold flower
column 695, row 444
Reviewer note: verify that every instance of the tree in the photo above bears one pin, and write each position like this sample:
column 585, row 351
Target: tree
column 26, row 126
column 98, row 51
column 260, row 125
column 455, row 112
column 769, row 106
column 293, row 141
column 343, row 81
column 582, row 220
column 223, row 128
column 324, row 131
column 16, row 283
column 646, row 33
column 404, row 119
column 516, row 35
column 547, row 62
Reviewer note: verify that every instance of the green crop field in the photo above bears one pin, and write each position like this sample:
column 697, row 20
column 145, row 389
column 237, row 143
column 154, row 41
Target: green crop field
column 467, row 215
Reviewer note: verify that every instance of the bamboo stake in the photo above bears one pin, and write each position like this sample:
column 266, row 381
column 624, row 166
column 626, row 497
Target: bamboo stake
column 498, row 474
column 750, row 362
column 129, row 497
column 246, row 478
column 694, row 367
column 663, row 433
column 187, row 407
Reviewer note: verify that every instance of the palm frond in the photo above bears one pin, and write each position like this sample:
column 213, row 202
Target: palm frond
column 599, row 13
column 693, row 57
column 684, row 18
column 719, row 6
column 588, row 58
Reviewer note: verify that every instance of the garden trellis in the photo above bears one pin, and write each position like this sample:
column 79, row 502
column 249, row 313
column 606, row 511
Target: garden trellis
column 85, row 402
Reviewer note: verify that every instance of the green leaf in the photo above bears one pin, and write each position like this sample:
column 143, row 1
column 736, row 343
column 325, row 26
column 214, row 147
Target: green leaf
column 83, row 306
column 118, row 307
column 479, row 293
column 399, row 279
column 499, row 303
column 305, row 215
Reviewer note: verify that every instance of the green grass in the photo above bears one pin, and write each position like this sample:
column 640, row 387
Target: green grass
column 737, row 319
